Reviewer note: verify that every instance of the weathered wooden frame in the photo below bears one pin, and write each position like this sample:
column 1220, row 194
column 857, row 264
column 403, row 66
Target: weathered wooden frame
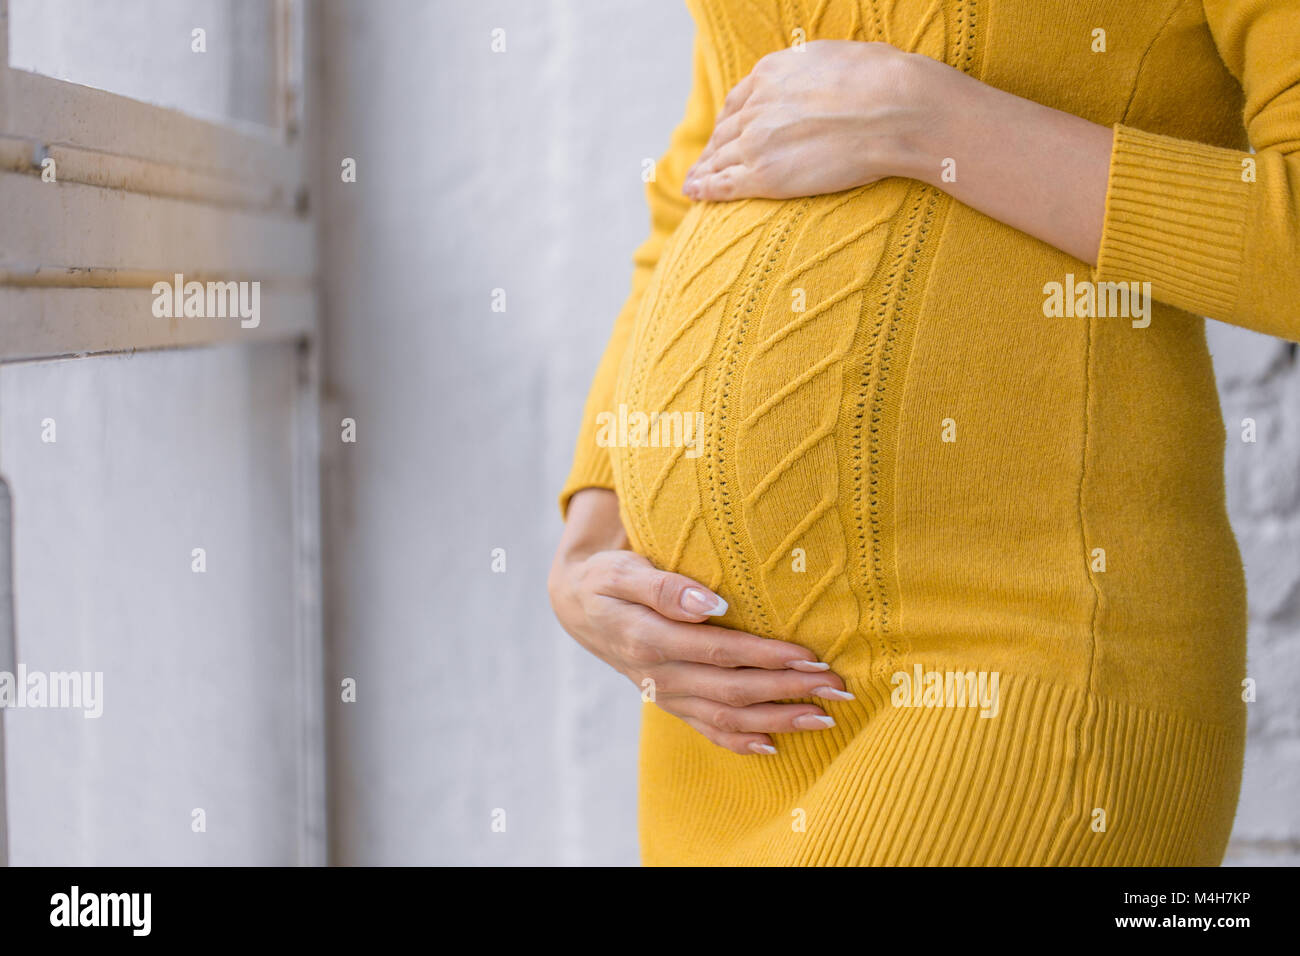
column 143, row 193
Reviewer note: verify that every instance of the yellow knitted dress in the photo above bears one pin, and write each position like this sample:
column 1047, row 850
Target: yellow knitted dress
column 909, row 467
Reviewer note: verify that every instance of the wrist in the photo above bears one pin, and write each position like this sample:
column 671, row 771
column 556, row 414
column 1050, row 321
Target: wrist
column 593, row 525
column 926, row 140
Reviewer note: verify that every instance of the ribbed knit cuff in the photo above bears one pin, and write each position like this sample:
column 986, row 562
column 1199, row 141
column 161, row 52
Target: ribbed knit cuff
column 1175, row 217
column 592, row 468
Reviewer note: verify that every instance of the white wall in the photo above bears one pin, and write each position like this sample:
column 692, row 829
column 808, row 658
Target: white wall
column 521, row 171
column 145, row 49
column 1259, row 378
column 476, row 171
column 154, row 455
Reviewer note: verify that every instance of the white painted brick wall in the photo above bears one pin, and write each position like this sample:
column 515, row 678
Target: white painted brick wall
column 1259, row 378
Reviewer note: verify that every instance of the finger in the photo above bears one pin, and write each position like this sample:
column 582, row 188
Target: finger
column 725, row 132
column 729, row 154
column 756, row 719
column 733, row 182
column 746, row 744
column 631, row 577
column 723, row 647
column 736, row 98
column 728, row 129
column 741, row 687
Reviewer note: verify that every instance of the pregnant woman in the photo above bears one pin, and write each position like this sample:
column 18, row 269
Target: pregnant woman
column 899, row 491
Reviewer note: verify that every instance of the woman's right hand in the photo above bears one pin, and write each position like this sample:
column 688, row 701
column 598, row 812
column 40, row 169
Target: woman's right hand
column 649, row 626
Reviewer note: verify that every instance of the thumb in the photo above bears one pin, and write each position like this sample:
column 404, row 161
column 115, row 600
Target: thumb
column 684, row 599
column 675, row 596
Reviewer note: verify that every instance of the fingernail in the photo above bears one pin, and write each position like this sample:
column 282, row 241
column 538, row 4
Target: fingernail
column 808, row 667
column 758, row 748
column 695, row 601
column 832, row 693
column 813, row 722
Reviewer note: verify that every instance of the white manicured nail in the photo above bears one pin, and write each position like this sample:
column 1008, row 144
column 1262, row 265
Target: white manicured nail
column 813, row 722
column 695, row 601
column 832, row 693
column 758, row 748
column 808, row 667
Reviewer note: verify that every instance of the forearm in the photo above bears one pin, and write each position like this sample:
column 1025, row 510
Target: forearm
column 1032, row 167
column 866, row 111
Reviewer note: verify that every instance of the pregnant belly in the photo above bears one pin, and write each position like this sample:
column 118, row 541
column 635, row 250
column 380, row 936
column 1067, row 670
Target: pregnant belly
column 751, row 398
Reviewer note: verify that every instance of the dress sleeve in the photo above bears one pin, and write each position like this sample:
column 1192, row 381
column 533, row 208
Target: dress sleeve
column 1217, row 231
column 591, row 462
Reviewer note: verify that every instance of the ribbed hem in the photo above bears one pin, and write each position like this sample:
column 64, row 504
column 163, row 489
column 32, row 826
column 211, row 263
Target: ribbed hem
column 1057, row 777
column 592, row 468
column 1175, row 217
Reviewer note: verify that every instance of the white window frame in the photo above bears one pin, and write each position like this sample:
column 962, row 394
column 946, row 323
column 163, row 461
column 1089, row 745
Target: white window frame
column 144, row 193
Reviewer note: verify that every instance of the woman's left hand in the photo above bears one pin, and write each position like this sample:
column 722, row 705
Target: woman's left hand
column 826, row 116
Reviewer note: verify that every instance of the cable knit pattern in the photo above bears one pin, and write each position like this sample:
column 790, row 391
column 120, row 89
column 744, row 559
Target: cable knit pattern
column 906, row 467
